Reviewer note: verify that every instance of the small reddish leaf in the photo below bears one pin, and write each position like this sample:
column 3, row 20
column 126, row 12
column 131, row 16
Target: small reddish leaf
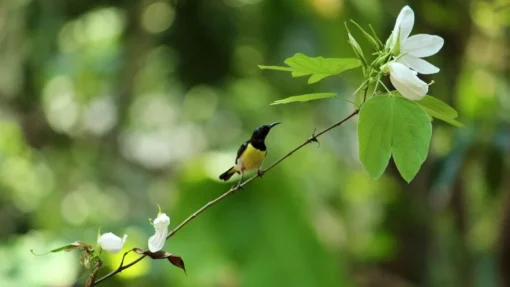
column 158, row 254
column 154, row 255
column 174, row 259
column 177, row 261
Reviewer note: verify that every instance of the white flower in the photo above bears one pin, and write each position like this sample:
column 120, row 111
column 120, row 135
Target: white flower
column 111, row 242
column 406, row 81
column 412, row 49
column 157, row 241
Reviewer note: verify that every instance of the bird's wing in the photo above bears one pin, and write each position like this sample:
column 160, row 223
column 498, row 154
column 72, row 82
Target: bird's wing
column 241, row 149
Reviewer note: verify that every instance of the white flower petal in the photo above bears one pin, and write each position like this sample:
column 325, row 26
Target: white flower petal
column 403, row 25
column 419, row 65
column 161, row 221
column 111, row 242
column 422, row 45
column 157, row 241
column 406, row 82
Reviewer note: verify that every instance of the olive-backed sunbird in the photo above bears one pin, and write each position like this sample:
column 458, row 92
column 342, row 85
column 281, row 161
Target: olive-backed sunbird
column 251, row 153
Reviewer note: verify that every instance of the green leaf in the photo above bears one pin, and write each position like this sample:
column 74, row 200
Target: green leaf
column 439, row 109
column 453, row 122
column 375, row 127
column 391, row 125
column 304, row 65
column 315, row 78
column 277, row 68
column 438, row 106
column 75, row 245
column 304, row 98
column 64, row 248
column 317, row 68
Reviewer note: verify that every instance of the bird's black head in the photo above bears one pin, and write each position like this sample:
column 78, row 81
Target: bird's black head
column 261, row 132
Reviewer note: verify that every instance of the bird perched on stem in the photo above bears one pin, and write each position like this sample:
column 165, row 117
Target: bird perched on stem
column 251, row 154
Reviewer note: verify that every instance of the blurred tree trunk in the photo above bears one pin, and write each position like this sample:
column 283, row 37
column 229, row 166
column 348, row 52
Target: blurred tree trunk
column 410, row 221
column 459, row 207
column 504, row 239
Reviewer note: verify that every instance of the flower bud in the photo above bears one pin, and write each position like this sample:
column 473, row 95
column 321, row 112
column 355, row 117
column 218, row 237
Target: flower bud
column 111, row 242
column 157, row 241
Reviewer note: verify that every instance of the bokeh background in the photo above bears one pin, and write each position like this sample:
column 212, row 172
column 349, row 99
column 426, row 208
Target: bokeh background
column 109, row 108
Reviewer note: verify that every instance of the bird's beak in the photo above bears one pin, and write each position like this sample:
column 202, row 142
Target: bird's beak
column 274, row 124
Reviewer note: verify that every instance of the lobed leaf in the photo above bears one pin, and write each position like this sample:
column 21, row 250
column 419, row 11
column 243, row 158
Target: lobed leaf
column 391, row 125
column 317, row 68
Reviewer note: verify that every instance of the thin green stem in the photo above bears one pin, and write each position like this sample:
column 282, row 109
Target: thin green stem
column 118, row 270
column 375, row 36
column 386, row 88
column 365, row 94
column 351, row 102
column 376, row 85
column 360, row 87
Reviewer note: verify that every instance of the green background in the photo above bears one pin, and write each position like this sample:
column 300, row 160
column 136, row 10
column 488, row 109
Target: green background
column 109, row 108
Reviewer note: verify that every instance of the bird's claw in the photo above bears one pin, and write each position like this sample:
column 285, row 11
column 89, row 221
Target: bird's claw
column 260, row 172
column 237, row 187
column 313, row 138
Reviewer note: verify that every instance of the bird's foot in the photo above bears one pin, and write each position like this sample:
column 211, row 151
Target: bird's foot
column 237, row 187
column 260, row 172
column 313, row 138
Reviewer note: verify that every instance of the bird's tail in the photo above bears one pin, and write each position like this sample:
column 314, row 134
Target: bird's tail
column 228, row 174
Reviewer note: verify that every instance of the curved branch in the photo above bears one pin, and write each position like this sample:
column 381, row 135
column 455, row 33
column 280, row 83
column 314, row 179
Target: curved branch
column 311, row 139
column 118, row 270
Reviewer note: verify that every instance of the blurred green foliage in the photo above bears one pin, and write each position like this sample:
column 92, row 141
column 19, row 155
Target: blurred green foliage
column 109, row 108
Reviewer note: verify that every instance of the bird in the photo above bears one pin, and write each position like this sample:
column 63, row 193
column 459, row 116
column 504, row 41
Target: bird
column 250, row 155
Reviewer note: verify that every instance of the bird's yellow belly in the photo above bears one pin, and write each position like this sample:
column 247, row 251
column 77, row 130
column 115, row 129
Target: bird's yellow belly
column 251, row 158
